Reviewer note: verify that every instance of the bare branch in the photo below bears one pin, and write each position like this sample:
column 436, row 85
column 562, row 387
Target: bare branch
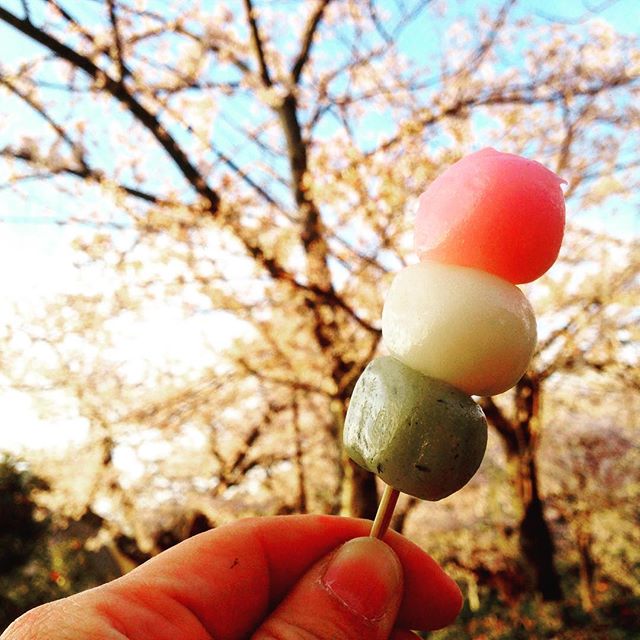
column 60, row 222
column 500, row 422
column 318, row 293
column 179, row 28
column 257, row 43
column 72, row 21
column 567, row 141
column 233, row 472
column 31, row 101
column 149, row 120
column 373, row 14
column 485, row 46
column 587, row 15
column 367, row 259
column 119, row 53
column 307, row 40
column 84, row 172
column 293, row 384
column 517, row 95
column 245, row 177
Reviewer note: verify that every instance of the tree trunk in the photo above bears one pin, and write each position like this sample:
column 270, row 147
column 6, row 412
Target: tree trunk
column 587, row 565
column 536, row 542
column 359, row 493
column 520, row 436
column 399, row 519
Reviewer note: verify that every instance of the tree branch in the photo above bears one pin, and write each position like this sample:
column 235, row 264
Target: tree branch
column 257, row 43
column 517, row 95
column 177, row 27
column 295, row 385
column 307, row 40
column 245, row 177
column 72, row 21
column 269, row 264
column 319, row 284
column 25, row 8
column 119, row 52
column 500, row 423
column 149, row 120
column 567, row 140
column 485, row 46
column 382, row 32
column 236, row 468
column 28, row 99
column 84, row 172
column 319, row 294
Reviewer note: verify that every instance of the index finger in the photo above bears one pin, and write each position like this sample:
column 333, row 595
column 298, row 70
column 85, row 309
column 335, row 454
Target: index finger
column 231, row 578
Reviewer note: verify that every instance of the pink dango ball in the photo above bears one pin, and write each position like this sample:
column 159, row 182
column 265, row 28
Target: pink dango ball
column 493, row 211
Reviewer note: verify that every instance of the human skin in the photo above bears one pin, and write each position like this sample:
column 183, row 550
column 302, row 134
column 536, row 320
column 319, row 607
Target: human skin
column 279, row 577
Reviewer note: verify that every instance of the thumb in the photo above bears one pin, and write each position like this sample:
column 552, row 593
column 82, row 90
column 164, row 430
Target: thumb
column 353, row 594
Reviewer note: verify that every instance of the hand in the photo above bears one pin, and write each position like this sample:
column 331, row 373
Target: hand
column 285, row 577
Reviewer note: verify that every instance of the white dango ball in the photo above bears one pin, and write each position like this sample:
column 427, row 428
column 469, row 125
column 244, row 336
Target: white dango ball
column 467, row 327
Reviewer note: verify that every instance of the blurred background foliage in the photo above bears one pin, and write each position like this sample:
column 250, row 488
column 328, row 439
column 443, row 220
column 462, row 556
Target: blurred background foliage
column 232, row 186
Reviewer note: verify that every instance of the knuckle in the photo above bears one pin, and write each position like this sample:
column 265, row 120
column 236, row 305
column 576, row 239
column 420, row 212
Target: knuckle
column 32, row 625
column 282, row 629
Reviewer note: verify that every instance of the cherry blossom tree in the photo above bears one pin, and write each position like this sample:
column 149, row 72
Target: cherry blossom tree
column 258, row 163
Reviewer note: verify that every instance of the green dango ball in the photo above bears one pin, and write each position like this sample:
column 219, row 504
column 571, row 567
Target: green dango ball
column 422, row 436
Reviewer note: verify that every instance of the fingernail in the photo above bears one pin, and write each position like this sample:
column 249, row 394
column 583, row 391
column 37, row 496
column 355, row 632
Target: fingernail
column 366, row 576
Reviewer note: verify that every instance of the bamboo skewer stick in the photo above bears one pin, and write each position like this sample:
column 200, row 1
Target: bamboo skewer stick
column 385, row 512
